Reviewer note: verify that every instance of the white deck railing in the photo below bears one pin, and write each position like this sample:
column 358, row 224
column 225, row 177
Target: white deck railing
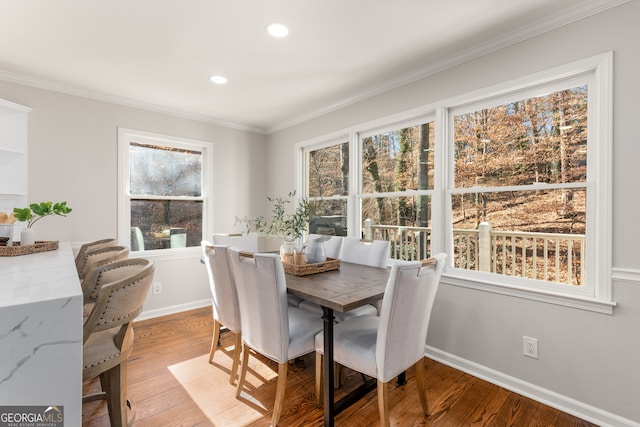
column 543, row 256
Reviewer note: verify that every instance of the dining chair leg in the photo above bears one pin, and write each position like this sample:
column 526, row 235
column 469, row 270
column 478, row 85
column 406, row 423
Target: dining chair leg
column 243, row 369
column 282, row 383
column 420, row 383
column 383, row 404
column 214, row 340
column 236, row 357
column 319, row 380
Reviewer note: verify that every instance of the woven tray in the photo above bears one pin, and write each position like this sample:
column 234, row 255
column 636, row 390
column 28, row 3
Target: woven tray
column 17, row 250
column 306, row 269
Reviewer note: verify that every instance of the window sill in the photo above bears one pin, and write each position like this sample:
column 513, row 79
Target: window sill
column 169, row 254
column 573, row 301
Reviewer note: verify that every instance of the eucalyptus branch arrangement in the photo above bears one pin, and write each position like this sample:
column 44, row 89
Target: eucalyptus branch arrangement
column 281, row 223
column 37, row 211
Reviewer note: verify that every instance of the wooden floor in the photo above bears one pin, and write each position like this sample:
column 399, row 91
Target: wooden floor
column 171, row 384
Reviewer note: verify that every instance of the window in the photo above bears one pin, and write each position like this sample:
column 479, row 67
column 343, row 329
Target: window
column 163, row 191
column 327, row 186
column 397, row 176
column 513, row 182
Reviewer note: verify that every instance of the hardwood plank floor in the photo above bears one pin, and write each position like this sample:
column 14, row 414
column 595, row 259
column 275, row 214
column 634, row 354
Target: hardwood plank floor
column 171, row 384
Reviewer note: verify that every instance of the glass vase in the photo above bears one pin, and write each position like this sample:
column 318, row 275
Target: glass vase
column 289, row 251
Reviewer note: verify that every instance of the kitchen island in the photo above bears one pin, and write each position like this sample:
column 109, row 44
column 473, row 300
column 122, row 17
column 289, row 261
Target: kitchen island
column 41, row 332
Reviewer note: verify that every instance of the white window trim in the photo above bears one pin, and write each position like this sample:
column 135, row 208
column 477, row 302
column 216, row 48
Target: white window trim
column 597, row 295
column 124, row 212
column 599, row 170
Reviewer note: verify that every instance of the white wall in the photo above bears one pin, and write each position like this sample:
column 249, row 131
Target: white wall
column 589, row 363
column 72, row 148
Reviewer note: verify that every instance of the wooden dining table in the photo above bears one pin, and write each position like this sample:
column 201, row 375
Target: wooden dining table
column 351, row 286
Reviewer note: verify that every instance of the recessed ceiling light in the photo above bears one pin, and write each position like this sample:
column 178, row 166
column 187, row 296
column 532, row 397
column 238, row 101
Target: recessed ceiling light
column 218, row 80
column 277, row 30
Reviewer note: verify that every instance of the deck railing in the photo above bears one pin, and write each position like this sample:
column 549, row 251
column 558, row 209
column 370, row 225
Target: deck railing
column 543, row 256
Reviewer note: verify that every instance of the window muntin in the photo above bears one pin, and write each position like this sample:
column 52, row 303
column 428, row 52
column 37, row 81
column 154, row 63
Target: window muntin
column 164, row 191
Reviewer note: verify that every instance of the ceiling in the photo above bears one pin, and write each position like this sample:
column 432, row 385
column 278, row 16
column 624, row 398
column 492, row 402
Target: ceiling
column 159, row 54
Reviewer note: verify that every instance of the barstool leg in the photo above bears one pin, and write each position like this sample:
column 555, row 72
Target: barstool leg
column 114, row 383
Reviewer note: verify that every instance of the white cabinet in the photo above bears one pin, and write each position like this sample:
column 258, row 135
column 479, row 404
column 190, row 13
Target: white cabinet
column 13, row 155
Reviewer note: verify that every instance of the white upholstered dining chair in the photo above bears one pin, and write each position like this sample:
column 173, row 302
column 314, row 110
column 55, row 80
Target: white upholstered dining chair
column 367, row 252
column 245, row 242
column 226, row 311
column 384, row 346
column 269, row 325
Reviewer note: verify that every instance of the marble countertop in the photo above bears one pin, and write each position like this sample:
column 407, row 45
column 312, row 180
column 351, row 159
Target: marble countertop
column 38, row 277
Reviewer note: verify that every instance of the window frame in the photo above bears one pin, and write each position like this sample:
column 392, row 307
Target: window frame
column 598, row 70
column 125, row 136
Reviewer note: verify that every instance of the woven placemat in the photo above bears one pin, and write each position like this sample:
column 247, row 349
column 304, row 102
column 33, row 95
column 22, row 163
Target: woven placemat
column 17, row 250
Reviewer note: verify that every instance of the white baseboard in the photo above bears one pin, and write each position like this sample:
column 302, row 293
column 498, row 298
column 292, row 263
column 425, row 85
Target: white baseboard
column 164, row 311
column 539, row 394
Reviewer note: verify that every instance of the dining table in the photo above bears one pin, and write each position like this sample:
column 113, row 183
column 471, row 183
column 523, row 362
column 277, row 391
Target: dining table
column 348, row 287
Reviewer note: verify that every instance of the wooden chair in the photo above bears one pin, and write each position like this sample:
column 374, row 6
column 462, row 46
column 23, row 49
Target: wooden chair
column 226, row 311
column 384, row 346
column 269, row 326
column 108, row 332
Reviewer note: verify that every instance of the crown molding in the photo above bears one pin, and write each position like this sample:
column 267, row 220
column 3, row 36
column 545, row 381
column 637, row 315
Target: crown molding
column 68, row 89
column 563, row 17
column 472, row 52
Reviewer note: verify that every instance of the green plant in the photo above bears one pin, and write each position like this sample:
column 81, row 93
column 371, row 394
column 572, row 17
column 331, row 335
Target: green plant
column 282, row 223
column 37, row 211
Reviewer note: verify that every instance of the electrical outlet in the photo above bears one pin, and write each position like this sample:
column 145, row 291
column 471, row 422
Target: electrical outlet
column 157, row 287
column 530, row 347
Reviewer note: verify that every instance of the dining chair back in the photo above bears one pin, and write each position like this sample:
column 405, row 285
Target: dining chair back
column 245, row 242
column 383, row 347
column 137, row 239
column 408, row 300
column 226, row 311
column 108, row 332
column 269, row 326
column 178, row 237
column 367, row 252
column 80, row 256
column 101, row 256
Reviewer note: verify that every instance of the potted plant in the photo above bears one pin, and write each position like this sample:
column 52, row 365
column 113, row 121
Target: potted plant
column 283, row 224
column 35, row 212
